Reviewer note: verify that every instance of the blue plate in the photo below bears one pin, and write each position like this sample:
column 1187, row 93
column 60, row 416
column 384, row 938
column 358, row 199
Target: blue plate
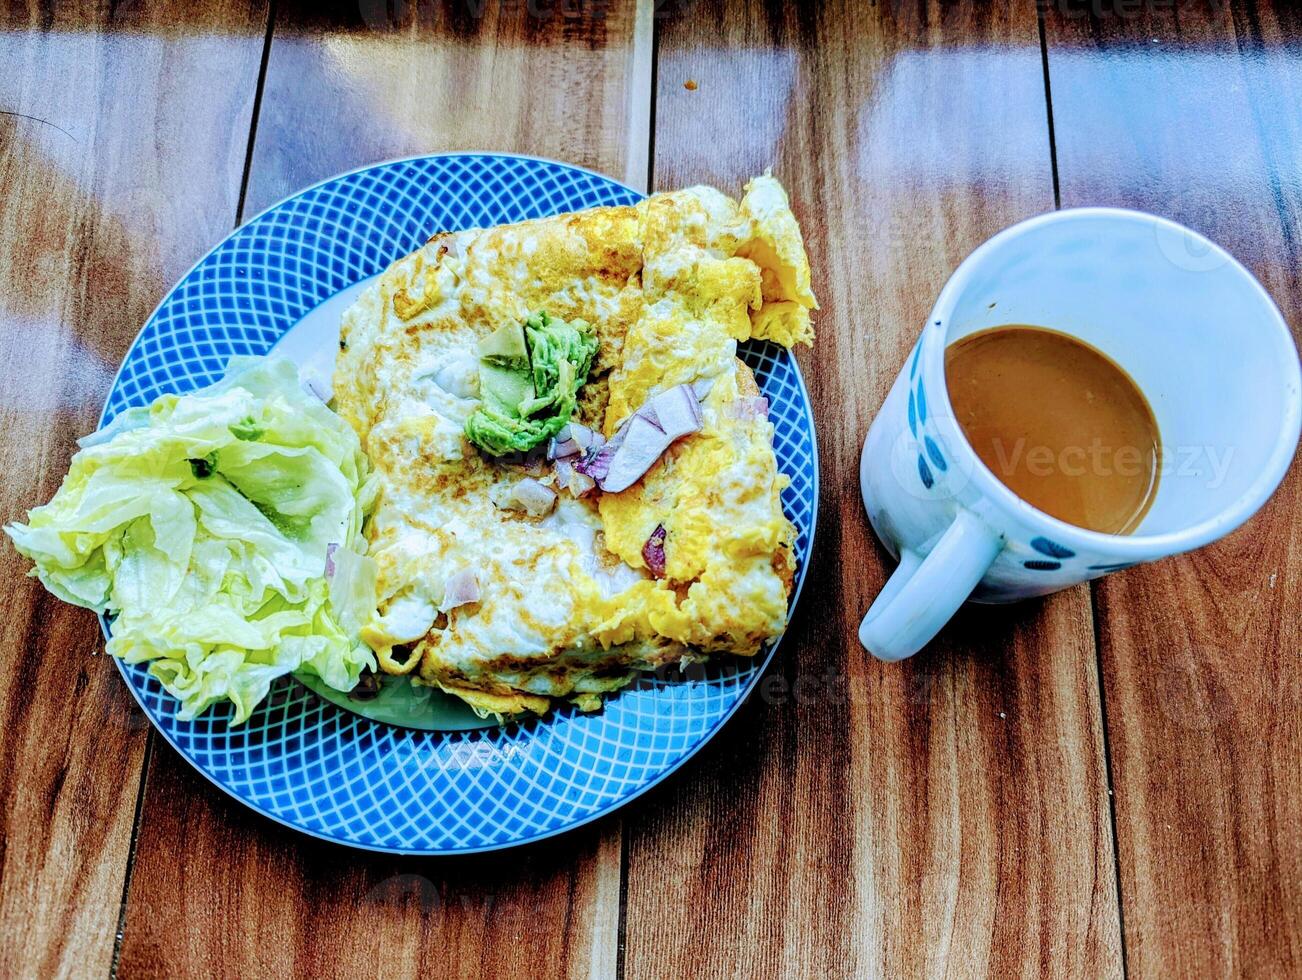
column 320, row 767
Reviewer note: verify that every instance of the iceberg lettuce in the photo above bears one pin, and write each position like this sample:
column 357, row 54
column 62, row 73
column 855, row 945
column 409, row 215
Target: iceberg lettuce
column 202, row 522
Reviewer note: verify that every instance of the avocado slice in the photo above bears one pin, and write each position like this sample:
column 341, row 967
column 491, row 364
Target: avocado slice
column 507, row 389
column 529, row 379
column 506, row 346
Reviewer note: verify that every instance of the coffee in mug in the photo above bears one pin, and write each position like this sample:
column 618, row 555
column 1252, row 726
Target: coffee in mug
column 1060, row 423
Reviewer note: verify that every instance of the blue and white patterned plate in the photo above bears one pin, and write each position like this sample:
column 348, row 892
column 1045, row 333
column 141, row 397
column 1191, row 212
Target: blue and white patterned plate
column 321, row 768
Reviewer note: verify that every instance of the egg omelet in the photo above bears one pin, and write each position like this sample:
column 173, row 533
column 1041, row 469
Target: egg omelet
column 566, row 606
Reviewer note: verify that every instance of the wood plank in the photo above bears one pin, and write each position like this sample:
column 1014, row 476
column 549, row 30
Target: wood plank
column 216, row 884
column 947, row 815
column 1190, row 110
column 347, row 87
column 119, row 164
column 342, row 91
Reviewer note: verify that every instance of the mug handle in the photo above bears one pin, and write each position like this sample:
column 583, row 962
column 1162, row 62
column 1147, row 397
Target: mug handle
column 924, row 592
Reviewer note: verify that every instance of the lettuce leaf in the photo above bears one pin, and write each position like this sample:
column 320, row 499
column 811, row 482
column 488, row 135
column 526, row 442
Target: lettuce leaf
column 202, row 523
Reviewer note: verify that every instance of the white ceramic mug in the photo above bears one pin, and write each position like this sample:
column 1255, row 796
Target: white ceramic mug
column 1190, row 325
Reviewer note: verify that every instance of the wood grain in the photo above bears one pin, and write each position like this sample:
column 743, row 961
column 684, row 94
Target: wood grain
column 349, row 84
column 944, row 816
column 1190, row 110
column 346, row 86
column 947, row 815
column 218, row 890
column 117, row 169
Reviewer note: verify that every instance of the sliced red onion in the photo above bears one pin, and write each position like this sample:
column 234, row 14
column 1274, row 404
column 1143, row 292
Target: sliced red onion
column 581, row 434
column 461, row 588
column 751, row 407
column 677, row 411
column 642, row 439
column 596, row 462
column 653, row 552
column 642, row 445
column 569, row 478
column 563, row 446
column 531, row 497
column 562, row 450
column 701, row 388
column 330, row 560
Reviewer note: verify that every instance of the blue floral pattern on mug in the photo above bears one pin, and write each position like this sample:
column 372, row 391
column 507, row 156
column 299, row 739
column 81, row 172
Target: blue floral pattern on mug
column 933, row 450
column 924, row 473
column 1054, row 555
column 917, row 421
column 1051, row 548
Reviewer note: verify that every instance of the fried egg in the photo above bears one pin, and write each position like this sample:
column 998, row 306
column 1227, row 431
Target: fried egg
column 567, row 606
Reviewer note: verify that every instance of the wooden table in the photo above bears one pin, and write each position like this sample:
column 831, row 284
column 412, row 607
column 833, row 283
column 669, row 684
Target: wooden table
column 1107, row 781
